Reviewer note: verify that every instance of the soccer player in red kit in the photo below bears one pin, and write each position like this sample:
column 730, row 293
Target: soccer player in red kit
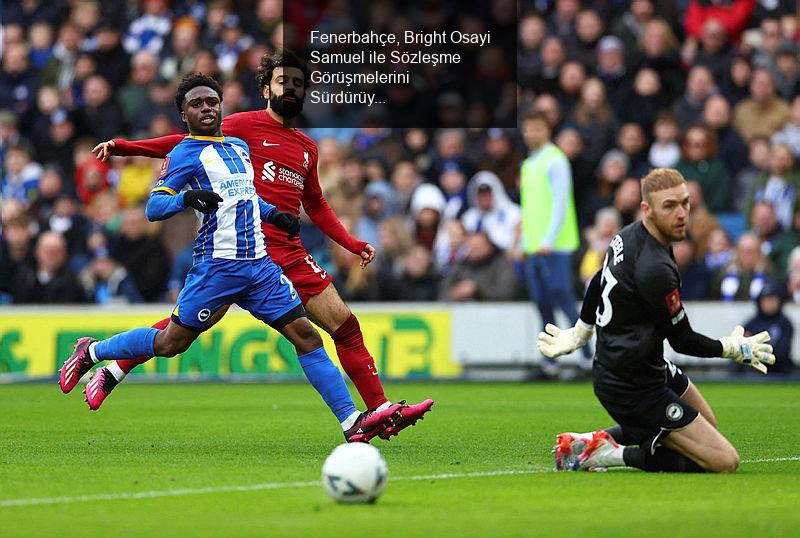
column 285, row 163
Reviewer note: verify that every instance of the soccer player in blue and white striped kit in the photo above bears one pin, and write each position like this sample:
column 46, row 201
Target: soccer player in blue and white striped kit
column 213, row 174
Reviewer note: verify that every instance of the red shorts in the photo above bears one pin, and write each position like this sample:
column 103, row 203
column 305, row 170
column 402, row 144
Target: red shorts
column 308, row 278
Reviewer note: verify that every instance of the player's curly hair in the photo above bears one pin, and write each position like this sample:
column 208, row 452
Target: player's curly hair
column 193, row 81
column 281, row 58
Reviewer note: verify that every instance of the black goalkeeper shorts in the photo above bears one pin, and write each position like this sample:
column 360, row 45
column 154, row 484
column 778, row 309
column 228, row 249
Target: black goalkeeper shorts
column 647, row 418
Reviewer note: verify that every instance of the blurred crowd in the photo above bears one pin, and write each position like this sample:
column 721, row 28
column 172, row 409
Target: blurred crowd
column 711, row 88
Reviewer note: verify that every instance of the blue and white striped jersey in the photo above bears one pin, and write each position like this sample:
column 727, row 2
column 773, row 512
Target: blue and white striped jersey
column 222, row 165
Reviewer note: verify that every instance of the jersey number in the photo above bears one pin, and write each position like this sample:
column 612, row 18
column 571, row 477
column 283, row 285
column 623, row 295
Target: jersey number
column 607, row 282
column 285, row 280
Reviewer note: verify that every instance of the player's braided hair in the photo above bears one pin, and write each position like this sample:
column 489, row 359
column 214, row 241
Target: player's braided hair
column 281, row 58
column 193, row 81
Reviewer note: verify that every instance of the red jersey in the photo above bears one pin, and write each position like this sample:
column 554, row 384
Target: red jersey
column 285, row 166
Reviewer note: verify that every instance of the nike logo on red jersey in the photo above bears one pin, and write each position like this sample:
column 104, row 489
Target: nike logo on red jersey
column 265, row 143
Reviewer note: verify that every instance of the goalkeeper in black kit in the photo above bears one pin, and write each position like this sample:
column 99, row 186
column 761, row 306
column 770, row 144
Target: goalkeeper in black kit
column 634, row 301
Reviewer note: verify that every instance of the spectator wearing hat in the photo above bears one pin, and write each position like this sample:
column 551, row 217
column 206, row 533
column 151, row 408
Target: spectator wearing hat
column 612, row 71
column 453, row 183
column 491, row 210
column 764, row 112
column 770, row 317
column 699, row 162
column 427, row 212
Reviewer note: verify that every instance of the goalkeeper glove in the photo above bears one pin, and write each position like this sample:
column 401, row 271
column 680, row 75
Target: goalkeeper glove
column 204, row 201
column 750, row 350
column 285, row 221
column 554, row 342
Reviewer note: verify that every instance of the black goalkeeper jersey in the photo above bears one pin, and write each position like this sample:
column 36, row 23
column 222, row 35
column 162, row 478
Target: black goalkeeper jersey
column 638, row 306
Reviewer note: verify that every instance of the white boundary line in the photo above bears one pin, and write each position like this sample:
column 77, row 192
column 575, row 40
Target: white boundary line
column 11, row 503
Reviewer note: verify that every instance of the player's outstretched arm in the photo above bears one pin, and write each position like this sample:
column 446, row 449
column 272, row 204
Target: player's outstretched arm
column 753, row 350
column 157, row 148
column 555, row 342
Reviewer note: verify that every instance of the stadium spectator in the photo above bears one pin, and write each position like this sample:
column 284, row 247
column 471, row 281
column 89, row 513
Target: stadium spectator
column 732, row 150
column 133, row 246
column 133, row 96
column 589, row 28
column 378, row 205
column 607, row 222
column 630, row 25
column 59, row 71
column 735, row 86
column 532, row 33
column 632, row 142
column 40, row 36
column 491, row 210
column 551, row 108
column 105, row 281
column 21, row 174
column 766, row 43
column 780, row 186
column 545, row 79
column 112, row 61
column 744, row 277
column 68, row 221
column 454, row 187
column 427, row 212
column 571, row 80
column 101, row 116
column 777, row 245
column 405, row 179
column 149, row 31
column 665, row 152
column 48, row 190
column 502, row 158
column 659, row 52
column 719, row 251
column 701, row 222
column 395, row 242
column 91, row 175
column 714, row 49
column 794, row 275
column 18, row 83
column 418, row 281
column 59, row 148
column 611, row 171
column 49, row 281
column 353, row 282
column 485, row 274
column 595, row 120
column 347, row 196
column 789, row 135
column 787, row 72
column 627, row 200
column 16, row 252
column 612, row 71
column 233, row 42
column 646, row 100
column 770, row 317
column 9, row 133
column 160, row 105
column 562, row 20
column 569, row 141
column 699, row 162
column 764, row 113
column 699, row 86
column 48, row 100
column 178, row 57
column 451, row 246
column 549, row 223
column 734, row 16
column 695, row 277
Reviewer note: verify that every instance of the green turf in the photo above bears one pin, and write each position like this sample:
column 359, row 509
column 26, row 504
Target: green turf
column 167, row 437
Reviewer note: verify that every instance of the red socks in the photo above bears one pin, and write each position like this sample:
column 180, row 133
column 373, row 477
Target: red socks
column 129, row 364
column 358, row 363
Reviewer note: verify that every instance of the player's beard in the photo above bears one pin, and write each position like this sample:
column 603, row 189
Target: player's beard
column 284, row 108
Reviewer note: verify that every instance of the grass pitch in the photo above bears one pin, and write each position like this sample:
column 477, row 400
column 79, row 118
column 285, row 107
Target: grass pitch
column 242, row 460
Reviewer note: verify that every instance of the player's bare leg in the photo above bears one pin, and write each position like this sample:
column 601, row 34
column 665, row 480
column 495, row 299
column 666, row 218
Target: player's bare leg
column 705, row 445
column 696, row 400
column 330, row 312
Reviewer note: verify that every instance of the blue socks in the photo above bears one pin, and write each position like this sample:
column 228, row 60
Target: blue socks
column 128, row 345
column 328, row 381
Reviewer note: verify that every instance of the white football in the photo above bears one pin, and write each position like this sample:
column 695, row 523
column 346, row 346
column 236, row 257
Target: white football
column 355, row 473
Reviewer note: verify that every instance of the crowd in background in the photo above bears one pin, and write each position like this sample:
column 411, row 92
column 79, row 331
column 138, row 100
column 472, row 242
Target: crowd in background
column 711, row 88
